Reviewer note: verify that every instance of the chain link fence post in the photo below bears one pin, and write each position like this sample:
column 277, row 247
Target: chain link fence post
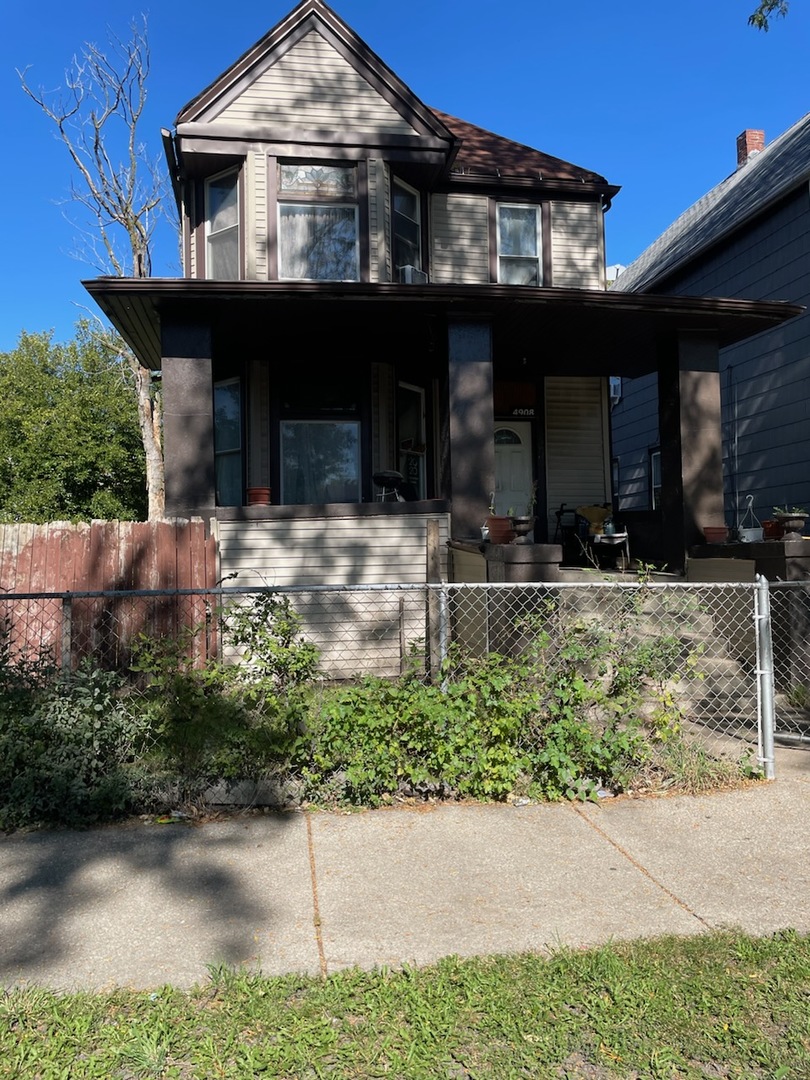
column 762, row 621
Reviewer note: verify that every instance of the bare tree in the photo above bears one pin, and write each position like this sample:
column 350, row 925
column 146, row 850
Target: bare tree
column 120, row 190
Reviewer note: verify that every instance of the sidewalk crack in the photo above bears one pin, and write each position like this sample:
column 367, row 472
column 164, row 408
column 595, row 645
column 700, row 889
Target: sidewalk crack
column 641, row 869
column 315, row 906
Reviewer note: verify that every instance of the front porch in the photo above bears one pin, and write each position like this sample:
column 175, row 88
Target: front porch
column 353, row 366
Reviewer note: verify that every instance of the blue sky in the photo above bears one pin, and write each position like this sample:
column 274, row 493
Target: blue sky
column 651, row 95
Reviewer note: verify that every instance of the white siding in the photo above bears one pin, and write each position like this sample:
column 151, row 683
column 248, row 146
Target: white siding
column 355, row 632
column 576, row 248
column 460, row 239
column 377, row 220
column 330, row 551
column 576, row 443
column 312, row 87
column 256, row 225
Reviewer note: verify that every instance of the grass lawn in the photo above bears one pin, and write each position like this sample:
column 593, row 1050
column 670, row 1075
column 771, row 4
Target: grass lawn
column 720, row 1005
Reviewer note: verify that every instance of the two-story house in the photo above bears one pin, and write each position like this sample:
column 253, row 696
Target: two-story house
column 371, row 286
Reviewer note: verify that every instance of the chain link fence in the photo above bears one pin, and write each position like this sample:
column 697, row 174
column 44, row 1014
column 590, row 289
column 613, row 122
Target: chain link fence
column 708, row 646
column 790, row 618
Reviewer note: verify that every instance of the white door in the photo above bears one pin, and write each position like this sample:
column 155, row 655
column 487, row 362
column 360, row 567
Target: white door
column 513, row 467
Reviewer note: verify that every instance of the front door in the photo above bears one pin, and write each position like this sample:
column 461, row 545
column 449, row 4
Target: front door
column 513, row 467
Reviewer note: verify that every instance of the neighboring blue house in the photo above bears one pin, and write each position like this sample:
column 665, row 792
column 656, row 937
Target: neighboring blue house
column 749, row 237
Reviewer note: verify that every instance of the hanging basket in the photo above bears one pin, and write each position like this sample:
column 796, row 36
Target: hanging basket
column 750, row 528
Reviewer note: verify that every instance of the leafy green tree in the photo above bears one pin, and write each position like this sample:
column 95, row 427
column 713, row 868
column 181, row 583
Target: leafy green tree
column 70, row 444
column 767, row 10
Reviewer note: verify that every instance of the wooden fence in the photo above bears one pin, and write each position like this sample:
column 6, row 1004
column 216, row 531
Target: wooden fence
column 112, row 557
column 106, row 555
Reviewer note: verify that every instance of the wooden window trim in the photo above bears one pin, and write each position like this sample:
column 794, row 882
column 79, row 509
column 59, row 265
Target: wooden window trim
column 545, row 238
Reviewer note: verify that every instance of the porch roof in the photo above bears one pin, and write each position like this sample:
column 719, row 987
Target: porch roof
column 553, row 330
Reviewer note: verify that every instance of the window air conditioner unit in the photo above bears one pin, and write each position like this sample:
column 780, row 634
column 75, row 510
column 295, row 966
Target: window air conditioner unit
column 411, row 275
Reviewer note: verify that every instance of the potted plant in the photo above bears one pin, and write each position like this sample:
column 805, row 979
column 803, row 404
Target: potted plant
column 791, row 518
column 522, row 524
column 498, row 526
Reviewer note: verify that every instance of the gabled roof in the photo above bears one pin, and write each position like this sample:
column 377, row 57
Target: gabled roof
column 766, row 178
column 309, row 16
column 249, row 101
column 483, row 153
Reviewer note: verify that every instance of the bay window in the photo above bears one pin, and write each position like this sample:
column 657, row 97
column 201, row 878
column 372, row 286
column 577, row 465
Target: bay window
column 222, row 226
column 317, row 223
column 519, row 238
column 406, row 226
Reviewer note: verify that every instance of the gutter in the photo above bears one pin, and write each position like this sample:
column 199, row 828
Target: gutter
column 173, row 162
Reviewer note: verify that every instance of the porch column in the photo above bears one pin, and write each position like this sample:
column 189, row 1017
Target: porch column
column 188, row 419
column 691, row 443
column 471, row 424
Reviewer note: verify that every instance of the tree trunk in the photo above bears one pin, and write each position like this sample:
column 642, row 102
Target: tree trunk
column 150, row 420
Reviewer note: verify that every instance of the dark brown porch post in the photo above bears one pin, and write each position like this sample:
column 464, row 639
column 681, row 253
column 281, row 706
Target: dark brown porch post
column 471, row 424
column 188, row 420
column 691, row 443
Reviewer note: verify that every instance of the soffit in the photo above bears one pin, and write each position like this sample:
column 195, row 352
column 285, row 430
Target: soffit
column 550, row 331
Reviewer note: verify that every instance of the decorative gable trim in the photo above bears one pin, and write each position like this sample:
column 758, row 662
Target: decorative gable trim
column 309, row 16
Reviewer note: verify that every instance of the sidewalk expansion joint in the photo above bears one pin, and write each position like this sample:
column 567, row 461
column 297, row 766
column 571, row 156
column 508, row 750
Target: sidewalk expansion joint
column 315, row 906
column 641, row 869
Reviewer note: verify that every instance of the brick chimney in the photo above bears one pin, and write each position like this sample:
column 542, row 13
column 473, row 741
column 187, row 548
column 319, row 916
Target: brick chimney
column 749, row 143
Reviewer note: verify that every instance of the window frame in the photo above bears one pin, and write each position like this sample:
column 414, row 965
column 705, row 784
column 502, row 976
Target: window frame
column 238, row 227
column 543, row 209
column 419, row 264
column 537, row 257
column 288, row 198
column 238, row 450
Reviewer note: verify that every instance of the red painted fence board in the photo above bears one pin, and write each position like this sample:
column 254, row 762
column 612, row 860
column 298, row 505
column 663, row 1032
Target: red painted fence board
column 108, row 556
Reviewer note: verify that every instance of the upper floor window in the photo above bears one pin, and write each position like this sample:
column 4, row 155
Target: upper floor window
column 318, row 223
column 519, row 245
column 406, row 227
column 222, row 226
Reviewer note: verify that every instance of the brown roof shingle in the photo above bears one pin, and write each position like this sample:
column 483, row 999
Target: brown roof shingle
column 484, row 153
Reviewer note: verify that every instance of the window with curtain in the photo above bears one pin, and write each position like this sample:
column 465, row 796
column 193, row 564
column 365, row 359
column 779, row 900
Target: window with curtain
column 317, row 223
column 519, row 245
column 222, row 226
column 320, row 461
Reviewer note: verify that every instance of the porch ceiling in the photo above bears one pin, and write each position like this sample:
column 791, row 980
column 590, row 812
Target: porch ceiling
column 571, row 331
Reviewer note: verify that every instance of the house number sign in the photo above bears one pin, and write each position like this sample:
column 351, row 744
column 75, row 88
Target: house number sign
column 523, row 412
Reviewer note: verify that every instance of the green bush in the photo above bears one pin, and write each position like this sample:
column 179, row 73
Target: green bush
column 228, row 721
column 583, row 706
column 68, row 751
column 544, row 724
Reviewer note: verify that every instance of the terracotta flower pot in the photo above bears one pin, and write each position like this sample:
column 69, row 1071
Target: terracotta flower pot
column 715, row 534
column 500, row 529
column 258, row 496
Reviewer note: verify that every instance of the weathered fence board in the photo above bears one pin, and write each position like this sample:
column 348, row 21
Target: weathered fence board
column 104, row 556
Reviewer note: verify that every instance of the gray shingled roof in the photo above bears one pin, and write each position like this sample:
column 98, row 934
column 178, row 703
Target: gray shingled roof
column 777, row 169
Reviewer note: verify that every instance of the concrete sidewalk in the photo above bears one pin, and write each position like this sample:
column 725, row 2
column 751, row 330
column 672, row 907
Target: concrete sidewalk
column 142, row 905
